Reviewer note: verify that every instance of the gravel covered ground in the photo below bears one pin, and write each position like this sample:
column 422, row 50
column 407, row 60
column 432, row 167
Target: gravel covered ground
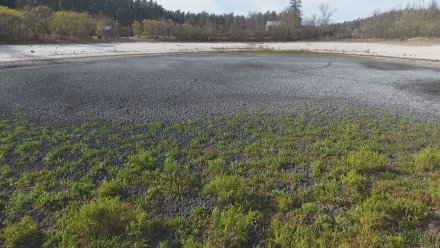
column 185, row 86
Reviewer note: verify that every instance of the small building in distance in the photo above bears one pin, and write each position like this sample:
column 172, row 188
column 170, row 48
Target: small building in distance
column 272, row 24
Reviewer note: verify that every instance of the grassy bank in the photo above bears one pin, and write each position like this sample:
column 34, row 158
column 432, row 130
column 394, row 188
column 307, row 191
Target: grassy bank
column 304, row 180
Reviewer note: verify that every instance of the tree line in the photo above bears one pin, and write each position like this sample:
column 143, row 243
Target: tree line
column 414, row 20
column 38, row 19
column 210, row 27
column 122, row 11
column 40, row 22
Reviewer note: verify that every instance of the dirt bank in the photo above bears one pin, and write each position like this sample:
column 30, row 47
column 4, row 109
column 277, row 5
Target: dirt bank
column 25, row 53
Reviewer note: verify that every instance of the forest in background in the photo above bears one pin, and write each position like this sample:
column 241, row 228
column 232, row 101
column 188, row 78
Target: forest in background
column 415, row 20
column 86, row 19
column 22, row 19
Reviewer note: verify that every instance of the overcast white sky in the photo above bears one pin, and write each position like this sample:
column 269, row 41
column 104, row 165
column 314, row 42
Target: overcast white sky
column 346, row 9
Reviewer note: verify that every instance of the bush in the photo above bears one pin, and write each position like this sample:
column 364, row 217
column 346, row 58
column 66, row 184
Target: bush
column 138, row 28
column 38, row 20
column 428, row 159
column 232, row 227
column 10, row 21
column 68, row 23
column 25, row 233
column 367, row 161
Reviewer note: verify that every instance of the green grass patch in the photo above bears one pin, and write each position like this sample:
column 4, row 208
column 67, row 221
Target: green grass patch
column 24, row 233
column 367, row 161
column 249, row 180
column 428, row 159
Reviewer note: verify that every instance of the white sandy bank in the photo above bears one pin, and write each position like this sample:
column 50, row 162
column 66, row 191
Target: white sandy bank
column 23, row 53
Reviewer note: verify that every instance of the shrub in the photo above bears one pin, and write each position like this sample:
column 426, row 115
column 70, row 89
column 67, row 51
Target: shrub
column 68, row 23
column 25, row 233
column 428, row 159
column 367, row 161
column 231, row 227
column 137, row 28
column 10, row 21
column 38, row 20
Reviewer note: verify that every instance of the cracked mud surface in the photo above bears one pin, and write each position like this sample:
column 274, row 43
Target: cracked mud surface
column 186, row 86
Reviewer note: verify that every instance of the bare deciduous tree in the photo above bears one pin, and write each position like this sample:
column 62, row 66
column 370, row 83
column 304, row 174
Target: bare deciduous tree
column 311, row 21
column 376, row 12
column 326, row 13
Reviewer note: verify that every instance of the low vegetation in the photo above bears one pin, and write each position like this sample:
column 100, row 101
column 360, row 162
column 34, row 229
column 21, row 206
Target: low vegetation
column 251, row 180
column 40, row 23
column 416, row 19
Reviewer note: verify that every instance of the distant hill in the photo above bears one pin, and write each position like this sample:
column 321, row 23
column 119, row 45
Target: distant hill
column 412, row 21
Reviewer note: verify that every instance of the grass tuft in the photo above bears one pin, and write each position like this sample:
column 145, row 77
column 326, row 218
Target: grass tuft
column 143, row 160
column 428, row 160
column 25, row 233
column 231, row 227
column 367, row 161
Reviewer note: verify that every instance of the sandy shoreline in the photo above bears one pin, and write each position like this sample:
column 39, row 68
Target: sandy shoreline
column 27, row 53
